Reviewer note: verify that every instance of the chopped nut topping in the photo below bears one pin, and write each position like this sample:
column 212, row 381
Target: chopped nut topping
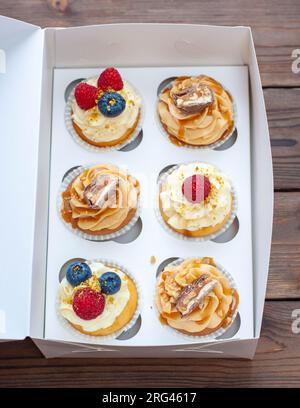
column 152, row 260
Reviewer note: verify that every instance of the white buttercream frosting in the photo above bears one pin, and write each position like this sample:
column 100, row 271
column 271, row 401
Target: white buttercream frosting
column 183, row 214
column 99, row 128
column 114, row 304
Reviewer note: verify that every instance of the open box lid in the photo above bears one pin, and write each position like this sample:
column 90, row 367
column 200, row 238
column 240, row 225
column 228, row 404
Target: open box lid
column 20, row 84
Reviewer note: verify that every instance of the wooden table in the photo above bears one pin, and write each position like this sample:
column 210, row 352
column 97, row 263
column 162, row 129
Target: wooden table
column 276, row 29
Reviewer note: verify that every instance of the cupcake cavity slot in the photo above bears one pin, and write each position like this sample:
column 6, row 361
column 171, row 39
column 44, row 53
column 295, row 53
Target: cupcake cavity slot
column 147, row 238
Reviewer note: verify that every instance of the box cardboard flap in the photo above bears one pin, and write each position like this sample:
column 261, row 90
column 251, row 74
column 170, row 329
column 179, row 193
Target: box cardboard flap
column 20, row 84
column 262, row 189
column 166, row 45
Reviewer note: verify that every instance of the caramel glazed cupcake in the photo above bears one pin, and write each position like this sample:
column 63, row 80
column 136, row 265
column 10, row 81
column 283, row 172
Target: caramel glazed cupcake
column 196, row 200
column 101, row 200
column 196, row 111
column 96, row 299
column 195, row 298
column 106, row 110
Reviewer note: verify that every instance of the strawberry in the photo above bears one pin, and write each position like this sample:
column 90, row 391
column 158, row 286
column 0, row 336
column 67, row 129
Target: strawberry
column 86, row 96
column 88, row 304
column 196, row 188
column 110, row 78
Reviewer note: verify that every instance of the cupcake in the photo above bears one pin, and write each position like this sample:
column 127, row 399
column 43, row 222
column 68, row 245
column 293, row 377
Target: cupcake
column 195, row 297
column 196, row 111
column 196, row 200
column 100, row 200
column 97, row 299
column 105, row 110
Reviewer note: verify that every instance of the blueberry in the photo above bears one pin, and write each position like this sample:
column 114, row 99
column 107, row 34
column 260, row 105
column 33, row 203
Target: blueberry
column 111, row 104
column 78, row 272
column 110, row 283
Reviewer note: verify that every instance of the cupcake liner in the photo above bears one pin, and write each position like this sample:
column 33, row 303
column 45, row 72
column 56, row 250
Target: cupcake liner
column 104, row 237
column 211, row 146
column 208, row 337
column 90, row 147
column 85, row 338
column 176, row 234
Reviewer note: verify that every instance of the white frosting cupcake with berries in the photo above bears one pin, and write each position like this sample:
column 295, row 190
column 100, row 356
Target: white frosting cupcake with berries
column 106, row 110
column 96, row 298
column 196, row 200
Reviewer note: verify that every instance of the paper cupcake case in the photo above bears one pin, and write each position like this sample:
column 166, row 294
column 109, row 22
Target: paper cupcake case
column 205, row 338
column 85, row 338
column 162, row 222
column 105, row 237
column 90, row 147
column 211, row 146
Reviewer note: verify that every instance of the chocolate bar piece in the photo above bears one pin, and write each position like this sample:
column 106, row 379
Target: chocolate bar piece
column 193, row 295
column 193, row 99
column 102, row 189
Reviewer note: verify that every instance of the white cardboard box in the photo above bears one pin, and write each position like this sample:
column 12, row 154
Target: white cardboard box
column 28, row 58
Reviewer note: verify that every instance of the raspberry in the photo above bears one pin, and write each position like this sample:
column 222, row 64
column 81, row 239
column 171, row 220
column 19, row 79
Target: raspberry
column 86, row 96
column 196, row 188
column 88, row 304
column 110, row 79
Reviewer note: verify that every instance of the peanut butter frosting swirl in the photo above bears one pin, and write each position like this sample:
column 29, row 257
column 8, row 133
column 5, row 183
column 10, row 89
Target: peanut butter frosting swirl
column 102, row 199
column 195, row 297
column 196, row 111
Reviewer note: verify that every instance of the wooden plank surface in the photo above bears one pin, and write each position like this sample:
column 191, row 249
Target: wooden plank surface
column 22, row 365
column 283, row 109
column 276, row 32
column 284, row 275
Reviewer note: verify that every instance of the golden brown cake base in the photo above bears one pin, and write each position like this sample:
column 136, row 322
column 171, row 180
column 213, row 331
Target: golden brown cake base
column 120, row 320
column 179, row 142
column 203, row 232
column 122, row 139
